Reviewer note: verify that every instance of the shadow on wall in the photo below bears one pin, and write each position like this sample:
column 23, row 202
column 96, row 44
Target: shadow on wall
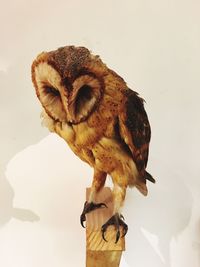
column 19, row 118
column 50, row 178
column 7, row 210
column 164, row 214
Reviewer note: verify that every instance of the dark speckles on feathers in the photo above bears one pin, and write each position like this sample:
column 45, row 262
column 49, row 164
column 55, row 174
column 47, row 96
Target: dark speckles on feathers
column 137, row 131
column 120, row 139
column 137, row 120
column 71, row 59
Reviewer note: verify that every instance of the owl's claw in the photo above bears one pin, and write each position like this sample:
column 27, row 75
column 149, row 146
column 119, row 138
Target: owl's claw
column 117, row 221
column 88, row 207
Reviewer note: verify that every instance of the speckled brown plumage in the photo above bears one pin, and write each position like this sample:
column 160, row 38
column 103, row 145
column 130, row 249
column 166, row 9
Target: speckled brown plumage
column 70, row 61
column 101, row 119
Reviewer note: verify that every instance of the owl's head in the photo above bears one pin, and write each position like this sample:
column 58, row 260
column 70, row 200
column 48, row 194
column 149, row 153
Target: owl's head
column 69, row 83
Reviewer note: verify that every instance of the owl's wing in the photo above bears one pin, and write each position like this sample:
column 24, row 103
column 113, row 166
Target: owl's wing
column 135, row 131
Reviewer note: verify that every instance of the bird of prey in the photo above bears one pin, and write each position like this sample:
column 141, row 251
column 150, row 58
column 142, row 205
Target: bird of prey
column 101, row 119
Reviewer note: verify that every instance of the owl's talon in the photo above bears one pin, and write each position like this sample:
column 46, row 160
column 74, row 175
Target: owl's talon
column 117, row 236
column 117, row 221
column 125, row 230
column 88, row 207
column 82, row 220
column 103, row 230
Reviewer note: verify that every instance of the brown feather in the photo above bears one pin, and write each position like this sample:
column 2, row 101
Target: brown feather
column 136, row 132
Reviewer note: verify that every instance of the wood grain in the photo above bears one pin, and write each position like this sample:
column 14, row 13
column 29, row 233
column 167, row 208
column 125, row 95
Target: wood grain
column 99, row 252
column 103, row 258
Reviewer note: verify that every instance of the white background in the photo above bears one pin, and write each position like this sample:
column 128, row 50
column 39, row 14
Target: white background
column 154, row 46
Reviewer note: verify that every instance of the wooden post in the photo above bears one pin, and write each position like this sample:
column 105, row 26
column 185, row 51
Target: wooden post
column 100, row 253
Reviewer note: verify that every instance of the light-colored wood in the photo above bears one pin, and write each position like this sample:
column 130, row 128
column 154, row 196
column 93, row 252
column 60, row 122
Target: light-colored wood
column 99, row 252
column 103, row 258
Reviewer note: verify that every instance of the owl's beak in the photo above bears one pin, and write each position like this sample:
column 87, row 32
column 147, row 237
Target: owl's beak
column 81, row 103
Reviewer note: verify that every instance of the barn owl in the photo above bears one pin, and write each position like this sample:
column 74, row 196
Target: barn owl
column 101, row 119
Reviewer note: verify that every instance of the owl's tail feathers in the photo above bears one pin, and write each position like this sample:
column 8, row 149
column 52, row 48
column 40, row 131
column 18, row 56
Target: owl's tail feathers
column 141, row 183
column 149, row 177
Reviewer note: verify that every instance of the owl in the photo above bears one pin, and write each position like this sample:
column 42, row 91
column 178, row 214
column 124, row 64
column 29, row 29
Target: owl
column 101, row 119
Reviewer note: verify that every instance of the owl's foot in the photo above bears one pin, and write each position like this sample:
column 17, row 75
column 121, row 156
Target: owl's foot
column 117, row 221
column 88, row 207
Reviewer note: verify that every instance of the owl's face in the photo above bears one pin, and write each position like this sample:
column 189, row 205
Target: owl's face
column 69, row 83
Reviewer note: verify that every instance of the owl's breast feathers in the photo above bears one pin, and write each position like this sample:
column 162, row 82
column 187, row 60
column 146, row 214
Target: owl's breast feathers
column 114, row 139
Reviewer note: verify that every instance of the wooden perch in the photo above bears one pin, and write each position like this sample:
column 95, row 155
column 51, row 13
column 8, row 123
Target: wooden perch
column 101, row 253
